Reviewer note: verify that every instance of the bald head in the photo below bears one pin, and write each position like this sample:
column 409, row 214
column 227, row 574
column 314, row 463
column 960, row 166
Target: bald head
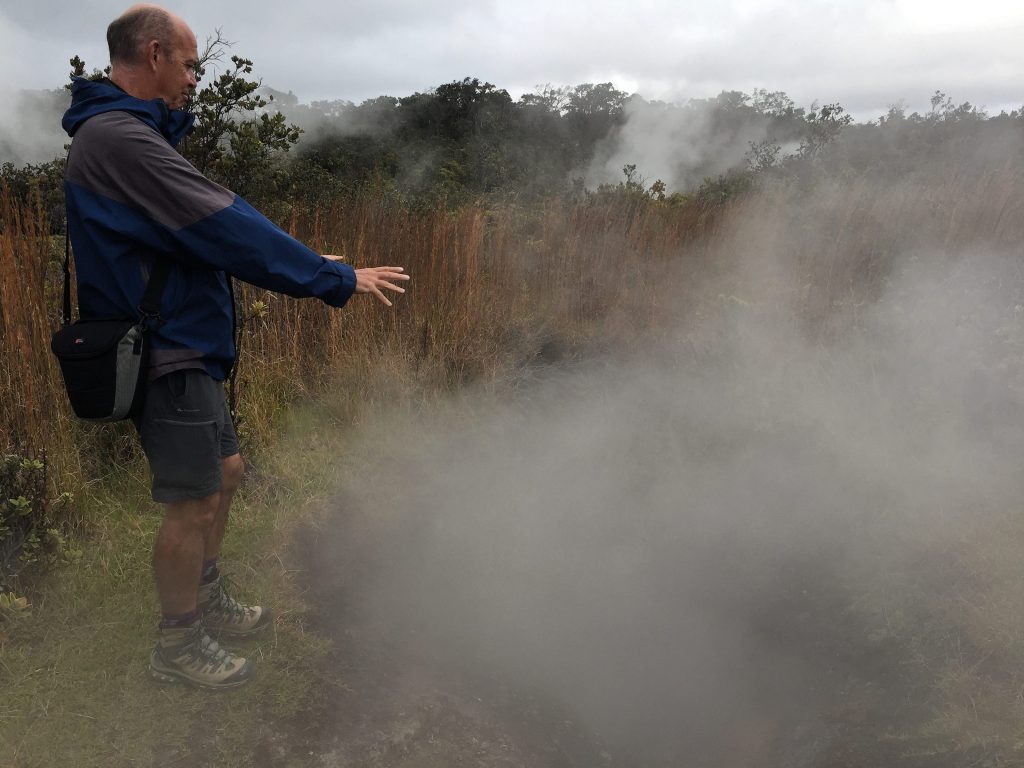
column 153, row 54
column 128, row 35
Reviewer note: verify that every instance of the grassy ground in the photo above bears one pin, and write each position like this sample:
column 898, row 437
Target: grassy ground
column 73, row 668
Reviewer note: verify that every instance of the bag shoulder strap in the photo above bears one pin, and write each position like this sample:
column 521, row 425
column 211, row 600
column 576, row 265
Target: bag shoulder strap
column 149, row 307
column 66, row 315
column 150, row 304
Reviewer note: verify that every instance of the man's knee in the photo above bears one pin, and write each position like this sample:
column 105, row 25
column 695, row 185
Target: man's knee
column 193, row 513
column 231, row 469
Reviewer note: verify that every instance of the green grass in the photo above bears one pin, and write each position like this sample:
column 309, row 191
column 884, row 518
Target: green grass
column 73, row 668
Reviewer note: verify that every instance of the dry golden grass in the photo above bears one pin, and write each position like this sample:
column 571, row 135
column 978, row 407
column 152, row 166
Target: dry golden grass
column 35, row 419
column 494, row 291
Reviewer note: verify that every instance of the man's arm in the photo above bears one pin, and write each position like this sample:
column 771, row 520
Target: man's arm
column 195, row 220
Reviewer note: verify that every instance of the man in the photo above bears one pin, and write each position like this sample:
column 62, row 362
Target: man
column 133, row 201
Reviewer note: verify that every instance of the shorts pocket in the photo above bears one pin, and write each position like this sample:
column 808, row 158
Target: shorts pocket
column 177, row 384
column 192, row 394
column 184, row 457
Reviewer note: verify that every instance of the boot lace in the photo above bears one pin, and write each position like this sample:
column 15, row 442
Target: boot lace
column 224, row 604
column 204, row 650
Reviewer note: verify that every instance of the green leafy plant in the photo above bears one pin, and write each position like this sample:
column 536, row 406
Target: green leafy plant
column 234, row 142
column 28, row 535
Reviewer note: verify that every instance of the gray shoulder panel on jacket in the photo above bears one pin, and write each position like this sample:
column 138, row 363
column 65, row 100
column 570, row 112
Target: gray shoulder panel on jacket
column 118, row 156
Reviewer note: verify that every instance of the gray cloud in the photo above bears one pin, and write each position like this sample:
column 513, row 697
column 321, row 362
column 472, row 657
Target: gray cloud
column 865, row 55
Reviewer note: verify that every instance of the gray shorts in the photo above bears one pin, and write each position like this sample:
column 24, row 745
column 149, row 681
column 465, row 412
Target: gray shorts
column 186, row 430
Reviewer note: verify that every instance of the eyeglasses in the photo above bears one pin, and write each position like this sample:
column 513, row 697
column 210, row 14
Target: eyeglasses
column 192, row 68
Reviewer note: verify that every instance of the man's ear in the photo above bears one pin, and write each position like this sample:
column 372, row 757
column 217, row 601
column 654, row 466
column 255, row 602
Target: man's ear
column 153, row 53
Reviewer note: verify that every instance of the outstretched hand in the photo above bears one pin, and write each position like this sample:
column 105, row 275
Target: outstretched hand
column 373, row 279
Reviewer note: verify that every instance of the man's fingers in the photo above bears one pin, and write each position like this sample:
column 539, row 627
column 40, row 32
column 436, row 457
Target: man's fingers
column 379, row 283
column 397, row 272
column 375, row 279
column 386, row 273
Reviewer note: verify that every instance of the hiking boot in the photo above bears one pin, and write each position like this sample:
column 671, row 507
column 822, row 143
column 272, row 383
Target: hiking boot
column 224, row 616
column 189, row 655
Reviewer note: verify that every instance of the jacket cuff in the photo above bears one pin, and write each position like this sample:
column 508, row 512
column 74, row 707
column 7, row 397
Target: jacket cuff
column 346, row 282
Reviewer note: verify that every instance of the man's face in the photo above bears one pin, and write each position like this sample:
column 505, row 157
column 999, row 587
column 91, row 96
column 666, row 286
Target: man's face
column 174, row 72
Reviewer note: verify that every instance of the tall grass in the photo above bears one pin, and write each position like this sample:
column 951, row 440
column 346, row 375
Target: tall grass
column 495, row 291
column 31, row 411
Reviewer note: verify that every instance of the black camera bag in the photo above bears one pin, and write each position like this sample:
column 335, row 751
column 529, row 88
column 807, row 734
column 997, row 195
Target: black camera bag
column 105, row 362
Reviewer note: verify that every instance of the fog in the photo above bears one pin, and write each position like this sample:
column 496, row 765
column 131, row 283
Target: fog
column 680, row 543
column 680, row 144
column 30, row 129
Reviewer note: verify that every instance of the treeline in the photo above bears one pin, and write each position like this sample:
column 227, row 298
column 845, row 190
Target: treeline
column 469, row 140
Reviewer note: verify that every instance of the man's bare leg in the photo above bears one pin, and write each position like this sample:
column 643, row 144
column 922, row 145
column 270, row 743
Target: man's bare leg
column 178, row 553
column 222, row 614
column 231, row 468
column 191, row 532
column 184, row 651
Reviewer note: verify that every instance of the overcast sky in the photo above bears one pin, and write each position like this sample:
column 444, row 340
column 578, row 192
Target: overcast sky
column 866, row 54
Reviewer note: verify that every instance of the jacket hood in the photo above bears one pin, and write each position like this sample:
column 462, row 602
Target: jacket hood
column 90, row 98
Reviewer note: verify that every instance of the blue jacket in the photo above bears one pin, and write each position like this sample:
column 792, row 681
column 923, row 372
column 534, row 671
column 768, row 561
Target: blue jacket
column 132, row 198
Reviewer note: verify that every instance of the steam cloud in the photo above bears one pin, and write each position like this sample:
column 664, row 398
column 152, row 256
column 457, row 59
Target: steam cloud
column 681, row 145
column 649, row 540
column 30, row 130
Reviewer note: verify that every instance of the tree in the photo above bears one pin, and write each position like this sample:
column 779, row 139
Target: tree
column 78, row 70
column 591, row 113
column 944, row 110
column 823, row 126
column 548, row 97
column 774, row 103
column 227, row 146
column 600, row 99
